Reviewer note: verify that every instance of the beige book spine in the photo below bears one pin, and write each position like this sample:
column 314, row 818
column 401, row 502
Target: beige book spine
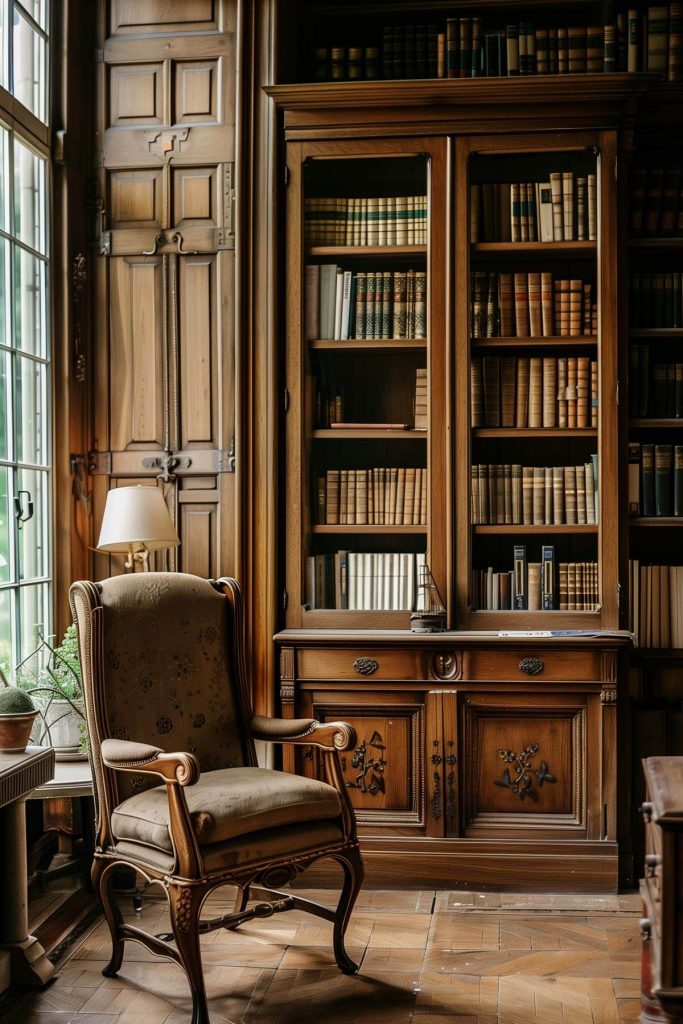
column 570, row 495
column 527, row 495
column 522, row 392
column 549, row 391
column 558, row 495
column 535, row 392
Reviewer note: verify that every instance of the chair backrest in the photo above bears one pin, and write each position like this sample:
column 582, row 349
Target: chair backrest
column 162, row 664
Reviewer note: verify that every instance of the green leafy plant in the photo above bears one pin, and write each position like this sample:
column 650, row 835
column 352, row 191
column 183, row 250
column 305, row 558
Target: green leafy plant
column 14, row 701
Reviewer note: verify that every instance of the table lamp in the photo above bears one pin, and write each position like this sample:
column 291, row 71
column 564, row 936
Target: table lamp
column 136, row 521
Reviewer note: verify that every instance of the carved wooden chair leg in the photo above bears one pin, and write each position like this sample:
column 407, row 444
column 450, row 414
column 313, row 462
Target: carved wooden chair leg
column 354, row 872
column 185, row 903
column 102, row 875
column 241, row 900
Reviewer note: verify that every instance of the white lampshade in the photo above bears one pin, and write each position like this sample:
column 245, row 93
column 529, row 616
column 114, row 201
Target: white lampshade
column 136, row 515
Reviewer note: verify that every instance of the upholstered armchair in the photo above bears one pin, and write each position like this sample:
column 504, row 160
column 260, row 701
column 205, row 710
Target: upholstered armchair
column 179, row 795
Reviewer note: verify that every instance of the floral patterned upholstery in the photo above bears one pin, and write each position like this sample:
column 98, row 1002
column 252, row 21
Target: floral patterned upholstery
column 167, row 680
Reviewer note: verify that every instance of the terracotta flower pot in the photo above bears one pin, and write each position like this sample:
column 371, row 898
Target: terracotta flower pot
column 15, row 731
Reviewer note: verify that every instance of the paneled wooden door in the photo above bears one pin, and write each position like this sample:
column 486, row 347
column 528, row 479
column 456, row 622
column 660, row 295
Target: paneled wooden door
column 164, row 411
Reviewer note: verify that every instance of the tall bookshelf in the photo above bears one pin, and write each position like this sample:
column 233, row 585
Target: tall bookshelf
column 540, row 684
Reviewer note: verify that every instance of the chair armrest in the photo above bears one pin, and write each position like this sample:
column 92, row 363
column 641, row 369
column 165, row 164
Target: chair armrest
column 126, row 756
column 327, row 736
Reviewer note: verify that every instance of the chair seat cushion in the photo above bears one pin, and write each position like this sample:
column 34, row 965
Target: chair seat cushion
column 227, row 803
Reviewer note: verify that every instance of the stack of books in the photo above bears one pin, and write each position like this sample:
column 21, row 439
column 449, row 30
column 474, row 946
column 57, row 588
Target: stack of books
column 656, row 299
column 378, row 220
column 537, row 586
column 561, row 209
column 364, row 305
column 535, row 495
column 656, row 604
column 656, row 202
column 655, row 479
column 654, row 389
column 463, row 48
column 523, row 391
column 534, row 304
column 363, row 581
column 381, row 496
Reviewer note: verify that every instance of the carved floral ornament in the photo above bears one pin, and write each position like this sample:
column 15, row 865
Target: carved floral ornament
column 519, row 774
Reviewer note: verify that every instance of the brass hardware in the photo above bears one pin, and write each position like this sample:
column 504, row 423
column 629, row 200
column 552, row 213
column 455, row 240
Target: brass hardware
column 652, row 862
column 531, row 666
column 365, row 666
column 178, row 239
column 159, row 239
column 646, row 810
column 447, row 665
column 167, row 463
column 522, row 785
column 99, row 463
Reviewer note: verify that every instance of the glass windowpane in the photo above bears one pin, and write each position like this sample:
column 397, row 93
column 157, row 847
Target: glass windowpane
column 34, row 615
column 30, row 314
column 5, row 527
column 32, row 535
column 7, row 598
column 5, row 408
column 28, row 66
column 37, row 9
column 4, row 164
column 31, row 420
column 29, row 197
column 4, row 293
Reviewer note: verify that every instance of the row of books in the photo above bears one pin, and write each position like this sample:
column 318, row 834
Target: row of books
column 537, row 586
column 522, row 391
column 656, row 299
column 381, row 496
column 535, row 495
column 377, row 220
column 363, row 581
column 372, row 304
column 535, row 304
column 656, row 604
column 562, row 209
column 656, row 202
column 655, row 479
column 654, row 389
column 635, row 41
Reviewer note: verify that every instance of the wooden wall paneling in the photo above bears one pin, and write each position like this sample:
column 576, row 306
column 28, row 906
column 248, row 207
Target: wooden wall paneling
column 165, row 379
column 296, row 493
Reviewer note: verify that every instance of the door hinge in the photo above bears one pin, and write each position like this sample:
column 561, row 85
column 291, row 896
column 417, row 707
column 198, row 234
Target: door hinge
column 286, row 175
column 285, row 599
column 225, row 461
column 99, row 463
column 286, row 399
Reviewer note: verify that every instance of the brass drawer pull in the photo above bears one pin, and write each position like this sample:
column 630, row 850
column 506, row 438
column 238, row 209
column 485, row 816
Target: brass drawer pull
column 365, row 666
column 652, row 862
column 531, row 666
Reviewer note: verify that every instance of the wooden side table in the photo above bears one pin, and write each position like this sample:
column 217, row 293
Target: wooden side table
column 22, row 958
column 72, row 780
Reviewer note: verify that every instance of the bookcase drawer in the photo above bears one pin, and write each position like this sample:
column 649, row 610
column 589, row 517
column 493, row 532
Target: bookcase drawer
column 525, row 664
column 359, row 663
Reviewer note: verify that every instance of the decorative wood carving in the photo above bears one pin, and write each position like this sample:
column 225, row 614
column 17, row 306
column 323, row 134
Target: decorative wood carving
column 522, row 783
column 608, row 695
column 287, row 685
column 447, row 665
column 79, row 277
column 436, row 797
column 164, row 143
column 451, row 800
column 365, row 666
column 531, row 666
column 609, row 667
column 369, row 766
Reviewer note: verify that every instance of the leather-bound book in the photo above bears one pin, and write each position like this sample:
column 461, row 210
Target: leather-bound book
column 491, row 391
column 517, row 514
column 332, row 508
column 507, row 494
column 476, row 392
column 548, row 495
column 521, row 305
column 508, row 367
column 558, row 495
column 570, row 502
column 674, row 69
column 506, row 303
column 594, row 393
column 475, row 211
column 571, row 586
column 564, row 595
column 571, row 391
column 590, row 493
column 678, row 480
column 634, row 472
column 663, row 479
column 522, row 396
column 575, row 307
column 558, row 219
column 535, row 392
column 582, row 391
column 549, row 391
column 535, row 320
column 562, row 392
column 547, row 318
column 479, row 282
column 527, row 495
column 580, row 477
column 538, row 495
column 568, row 204
column 592, row 183
column 647, row 480
column 534, row 573
column 492, row 306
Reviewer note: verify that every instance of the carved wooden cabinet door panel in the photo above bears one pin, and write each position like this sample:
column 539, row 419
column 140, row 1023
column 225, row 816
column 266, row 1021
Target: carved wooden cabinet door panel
column 165, row 382
column 388, row 773
column 531, row 762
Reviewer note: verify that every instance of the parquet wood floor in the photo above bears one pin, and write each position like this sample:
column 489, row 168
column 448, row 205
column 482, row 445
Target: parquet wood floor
column 426, row 958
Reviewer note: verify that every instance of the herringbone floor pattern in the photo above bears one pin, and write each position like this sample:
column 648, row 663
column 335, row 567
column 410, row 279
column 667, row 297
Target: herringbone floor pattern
column 426, row 957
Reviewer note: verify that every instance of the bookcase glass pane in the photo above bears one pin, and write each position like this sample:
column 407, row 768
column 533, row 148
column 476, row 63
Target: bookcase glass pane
column 533, row 330
column 365, row 339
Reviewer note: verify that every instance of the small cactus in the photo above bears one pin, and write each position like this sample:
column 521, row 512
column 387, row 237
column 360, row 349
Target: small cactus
column 14, row 701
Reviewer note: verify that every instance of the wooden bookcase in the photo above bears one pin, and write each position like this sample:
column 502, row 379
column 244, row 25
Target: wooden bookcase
column 436, row 715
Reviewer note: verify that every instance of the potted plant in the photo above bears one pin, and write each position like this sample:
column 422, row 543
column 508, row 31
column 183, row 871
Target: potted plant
column 17, row 714
column 52, row 675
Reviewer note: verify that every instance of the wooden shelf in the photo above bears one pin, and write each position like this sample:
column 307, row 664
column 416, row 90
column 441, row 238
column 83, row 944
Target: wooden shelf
column 656, row 332
column 370, row 529
column 656, row 245
column 534, row 432
column 387, row 7
column 371, row 345
column 519, row 528
column 540, row 248
column 656, row 521
column 369, row 435
column 350, row 251
column 663, row 655
column 557, row 341
column 656, row 424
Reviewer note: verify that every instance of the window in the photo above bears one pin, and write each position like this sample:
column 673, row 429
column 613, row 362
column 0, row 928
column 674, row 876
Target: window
column 25, row 396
